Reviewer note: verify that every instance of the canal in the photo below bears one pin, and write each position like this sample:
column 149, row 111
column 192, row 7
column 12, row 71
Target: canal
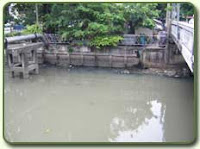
column 97, row 105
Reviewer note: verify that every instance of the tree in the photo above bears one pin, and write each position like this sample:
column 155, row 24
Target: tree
column 186, row 9
column 25, row 13
column 7, row 16
column 98, row 23
column 162, row 7
column 140, row 14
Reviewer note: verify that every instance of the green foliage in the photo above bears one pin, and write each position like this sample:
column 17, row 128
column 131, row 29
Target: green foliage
column 103, row 41
column 13, row 34
column 6, row 16
column 85, row 21
column 140, row 14
column 70, row 49
column 162, row 7
column 25, row 13
column 187, row 9
column 100, row 24
column 31, row 29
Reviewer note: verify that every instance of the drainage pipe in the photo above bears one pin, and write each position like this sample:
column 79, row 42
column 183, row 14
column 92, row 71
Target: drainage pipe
column 25, row 37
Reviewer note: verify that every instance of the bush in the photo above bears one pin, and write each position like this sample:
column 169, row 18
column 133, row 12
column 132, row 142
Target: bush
column 70, row 49
column 105, row 41
column 31, row 29
column 13, row 34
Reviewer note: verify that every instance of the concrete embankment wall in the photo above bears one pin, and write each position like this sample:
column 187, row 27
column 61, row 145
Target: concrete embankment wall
column 153, row 58
column 118, row 57
column 91, row 59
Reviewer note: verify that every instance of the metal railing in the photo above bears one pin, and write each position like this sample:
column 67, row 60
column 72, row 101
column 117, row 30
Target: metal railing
column 52, row 38
column 129, row 40
column 144, row 40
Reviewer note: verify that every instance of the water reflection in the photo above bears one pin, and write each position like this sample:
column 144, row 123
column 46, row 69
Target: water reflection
column 139, row 125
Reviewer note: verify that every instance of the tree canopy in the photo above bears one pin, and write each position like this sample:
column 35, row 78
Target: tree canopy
column 97, row 24
column 187, row 9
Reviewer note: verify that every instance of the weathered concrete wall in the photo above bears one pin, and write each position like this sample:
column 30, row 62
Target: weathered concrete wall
column 152, row 58
column 40, row 55
column 84, row 49
column 156, row 57
column 91, row 59
column 118, row 57
column 175, row 55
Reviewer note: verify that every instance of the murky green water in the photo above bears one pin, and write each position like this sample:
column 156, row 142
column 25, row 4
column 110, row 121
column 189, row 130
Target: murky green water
column 88, row 104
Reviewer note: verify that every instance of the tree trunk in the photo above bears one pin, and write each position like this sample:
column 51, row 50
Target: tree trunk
column 36, row 12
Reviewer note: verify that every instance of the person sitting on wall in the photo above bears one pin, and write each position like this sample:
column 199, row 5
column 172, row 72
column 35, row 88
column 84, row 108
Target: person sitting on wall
column 162, row 37
column 142, row 39
column 155, row 34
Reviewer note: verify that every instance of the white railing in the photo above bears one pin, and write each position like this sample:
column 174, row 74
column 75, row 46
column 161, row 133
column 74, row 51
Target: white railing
column 183, row 35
